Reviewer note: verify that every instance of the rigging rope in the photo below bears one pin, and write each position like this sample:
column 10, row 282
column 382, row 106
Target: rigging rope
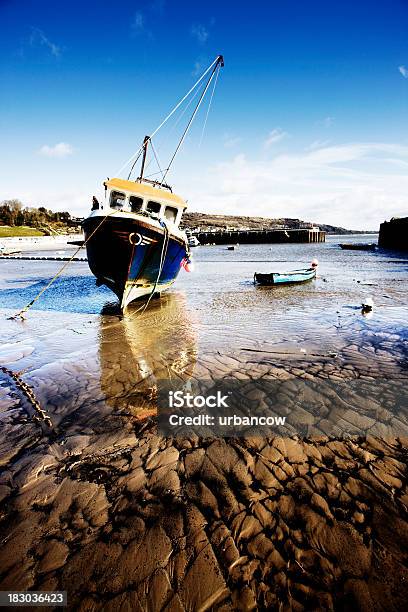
column 133, row 165
column 170, row 114
column 163, row 254
column 60, row 271
column 157, row 160
column 161, row 145
column 191, row 121
column 209, row 105
column 185, row 109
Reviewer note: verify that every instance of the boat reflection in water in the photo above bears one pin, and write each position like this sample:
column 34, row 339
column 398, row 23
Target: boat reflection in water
column 141, row 350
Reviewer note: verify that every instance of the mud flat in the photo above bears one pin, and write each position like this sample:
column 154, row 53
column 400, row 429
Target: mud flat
column 95, row 502
column 311, row 517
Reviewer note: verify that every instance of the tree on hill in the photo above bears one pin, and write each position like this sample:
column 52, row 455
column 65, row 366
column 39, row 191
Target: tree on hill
column 13, row 213
column 9, row 211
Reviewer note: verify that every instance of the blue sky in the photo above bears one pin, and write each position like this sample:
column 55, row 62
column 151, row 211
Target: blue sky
column 308, row 119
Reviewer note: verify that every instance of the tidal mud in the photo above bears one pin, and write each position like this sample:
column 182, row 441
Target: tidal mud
column 95, row 502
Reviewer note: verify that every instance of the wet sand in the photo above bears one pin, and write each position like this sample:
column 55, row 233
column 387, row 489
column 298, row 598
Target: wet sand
column 95, row 502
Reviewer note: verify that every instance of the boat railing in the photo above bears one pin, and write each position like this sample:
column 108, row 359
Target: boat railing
column 155, row 184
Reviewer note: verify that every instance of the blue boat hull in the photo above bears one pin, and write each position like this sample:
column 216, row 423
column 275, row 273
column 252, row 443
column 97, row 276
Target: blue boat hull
column 288, row 278
column 126, row 254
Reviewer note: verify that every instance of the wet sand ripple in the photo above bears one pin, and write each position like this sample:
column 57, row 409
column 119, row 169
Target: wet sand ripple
column 122, row 518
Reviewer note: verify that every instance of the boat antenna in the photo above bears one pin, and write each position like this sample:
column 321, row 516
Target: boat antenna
column 219, row 61
column 145, row 143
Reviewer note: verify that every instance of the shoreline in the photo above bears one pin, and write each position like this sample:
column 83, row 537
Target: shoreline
column 31, row 243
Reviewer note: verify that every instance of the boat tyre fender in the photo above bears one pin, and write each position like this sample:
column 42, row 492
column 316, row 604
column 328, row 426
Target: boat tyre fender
column 135, row 238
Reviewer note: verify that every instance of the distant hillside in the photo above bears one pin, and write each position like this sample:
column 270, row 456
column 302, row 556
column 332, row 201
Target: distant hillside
column 195, row 220
column 17, row 220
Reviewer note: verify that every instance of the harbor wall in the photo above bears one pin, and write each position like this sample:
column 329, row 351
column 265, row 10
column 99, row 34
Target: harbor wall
column 394, row 234
column 261, row 236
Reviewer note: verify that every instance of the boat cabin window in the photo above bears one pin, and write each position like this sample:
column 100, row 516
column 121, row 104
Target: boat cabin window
column 153, row 207
column 117, row 199
column 136, row 204
column 171, row 213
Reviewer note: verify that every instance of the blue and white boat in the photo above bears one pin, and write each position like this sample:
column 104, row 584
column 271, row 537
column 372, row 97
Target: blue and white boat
column 137, row 248
column 133, row 239
column 286, row 278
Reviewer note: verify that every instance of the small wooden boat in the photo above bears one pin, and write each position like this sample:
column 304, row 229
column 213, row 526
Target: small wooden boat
column 287, row 278
column 358, row 246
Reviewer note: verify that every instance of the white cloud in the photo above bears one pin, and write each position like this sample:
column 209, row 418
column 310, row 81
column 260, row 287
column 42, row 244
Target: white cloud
column 200, row 32
column 138, row 22
column 38, row 38
column 198, row 67
column 317, row 144
column 78, row 202
column 355, row 185
column 140, row 25
column 326, row 122
column 231, row 141
column 275, row 136
column 60, row 150
column 202, row 62
column 403, row 71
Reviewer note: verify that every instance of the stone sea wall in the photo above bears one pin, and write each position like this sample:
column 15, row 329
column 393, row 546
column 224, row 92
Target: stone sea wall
column 394, row 234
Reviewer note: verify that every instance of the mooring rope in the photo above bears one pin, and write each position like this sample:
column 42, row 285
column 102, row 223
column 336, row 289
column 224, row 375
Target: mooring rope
column 163, row 254
column 60, row 271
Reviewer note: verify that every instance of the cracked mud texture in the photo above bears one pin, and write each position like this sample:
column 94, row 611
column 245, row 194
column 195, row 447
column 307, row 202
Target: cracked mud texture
column 121, row 518
column 100, row 505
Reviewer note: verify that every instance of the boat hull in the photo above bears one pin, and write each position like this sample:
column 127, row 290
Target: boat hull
column 127, row 253
column 358, row 247
column 290, row 278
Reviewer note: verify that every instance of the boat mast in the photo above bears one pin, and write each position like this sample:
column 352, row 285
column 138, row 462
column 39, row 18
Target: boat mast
column 145, row 143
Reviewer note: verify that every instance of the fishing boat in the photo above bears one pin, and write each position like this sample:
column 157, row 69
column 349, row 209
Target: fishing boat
column 191, row 239
column 7, row 252
column 287, row 278
column 358, row 246
column 133, row 239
